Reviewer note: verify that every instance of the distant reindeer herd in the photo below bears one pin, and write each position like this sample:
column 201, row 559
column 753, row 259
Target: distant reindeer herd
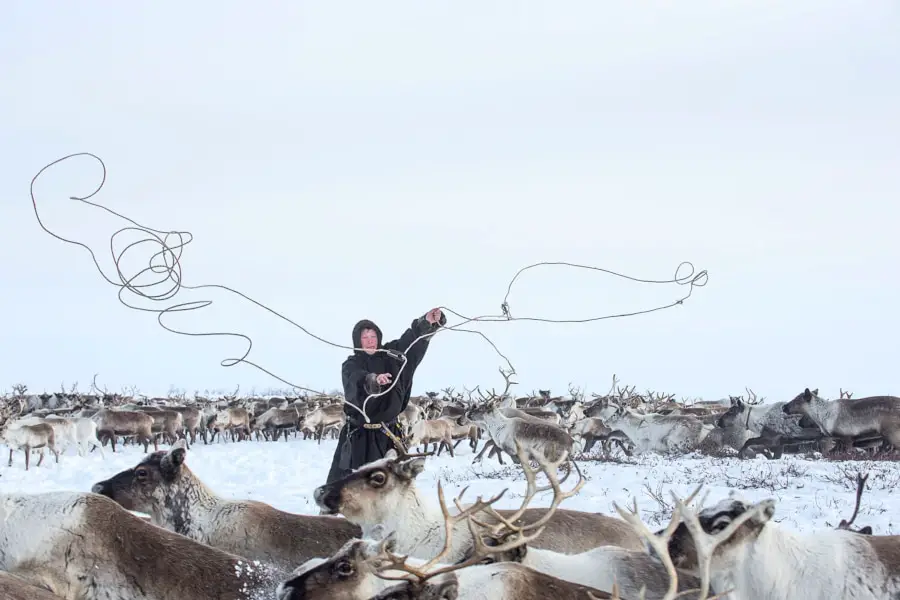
column 379, row 536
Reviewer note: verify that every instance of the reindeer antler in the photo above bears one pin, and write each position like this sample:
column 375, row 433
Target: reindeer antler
column 423, row 572
column 705, row 544
column 506, row 525
column 860, row 487
column 660, row 542
column 515, row 535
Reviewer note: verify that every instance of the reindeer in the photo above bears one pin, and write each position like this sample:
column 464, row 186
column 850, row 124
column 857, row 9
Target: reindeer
column 191, row 417
column 113, row 423
column 591, row 430
column 26, row 435
column 460, row 432
column 13, row 587
column 86, row 547
column 362, row 571
column 163, row 486
column 384, row 493
column 412, row 414
column 738, row 547
column 602, row 567
column 747, row 425
column 365, row 569
column 848, row 419
column 438, row 431
column 327, row 416
column 275, row 421
column 80, row 431
column 659, row 433
column 232, row 419
column 541, row 440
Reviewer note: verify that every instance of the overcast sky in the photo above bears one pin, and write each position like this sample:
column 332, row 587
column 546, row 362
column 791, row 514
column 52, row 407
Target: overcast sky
column 339, row 161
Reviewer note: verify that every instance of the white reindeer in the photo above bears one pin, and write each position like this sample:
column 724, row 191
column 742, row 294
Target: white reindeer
column 659, row 433
column 745, row 551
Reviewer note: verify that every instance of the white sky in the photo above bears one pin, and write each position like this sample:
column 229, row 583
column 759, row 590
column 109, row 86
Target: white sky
column 342, row 160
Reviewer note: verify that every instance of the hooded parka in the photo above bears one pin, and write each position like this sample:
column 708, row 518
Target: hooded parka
column 358, row 445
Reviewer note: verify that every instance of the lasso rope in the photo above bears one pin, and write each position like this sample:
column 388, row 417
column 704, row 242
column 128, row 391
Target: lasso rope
column 165, row 268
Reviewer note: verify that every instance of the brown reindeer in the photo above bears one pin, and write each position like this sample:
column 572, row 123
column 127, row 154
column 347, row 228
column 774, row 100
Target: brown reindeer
column 848, row 419
column 86, row 547
column 163, row 486
column 113, row 423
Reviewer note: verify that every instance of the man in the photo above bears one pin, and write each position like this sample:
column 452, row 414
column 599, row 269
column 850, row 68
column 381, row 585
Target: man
column 368, row 371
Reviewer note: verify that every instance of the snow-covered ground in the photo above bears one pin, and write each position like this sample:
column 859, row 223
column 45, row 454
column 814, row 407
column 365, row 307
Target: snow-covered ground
column 810, row 493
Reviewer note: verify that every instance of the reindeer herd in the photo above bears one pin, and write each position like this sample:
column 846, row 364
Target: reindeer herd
column 380, row 536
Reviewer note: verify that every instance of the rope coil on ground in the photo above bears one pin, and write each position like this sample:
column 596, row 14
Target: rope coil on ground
column 164, row 270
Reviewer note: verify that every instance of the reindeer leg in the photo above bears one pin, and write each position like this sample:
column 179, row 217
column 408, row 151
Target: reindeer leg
column 27, row 457
column 450, row 447
column 487, row 445
column 496, row 451
column 10, row 457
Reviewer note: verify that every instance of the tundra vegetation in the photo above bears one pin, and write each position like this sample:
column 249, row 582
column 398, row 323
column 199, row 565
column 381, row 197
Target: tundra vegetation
column 380, row 534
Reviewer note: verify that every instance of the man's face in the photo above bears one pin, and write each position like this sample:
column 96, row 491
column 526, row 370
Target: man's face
column 369, row 341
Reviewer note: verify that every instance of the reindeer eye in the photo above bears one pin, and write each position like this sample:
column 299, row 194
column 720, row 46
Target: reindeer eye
column 141, row 473
column 344, row 569
column 718, row 526
column 378, row 478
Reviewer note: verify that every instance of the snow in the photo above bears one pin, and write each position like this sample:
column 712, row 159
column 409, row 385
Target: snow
column 810, row 493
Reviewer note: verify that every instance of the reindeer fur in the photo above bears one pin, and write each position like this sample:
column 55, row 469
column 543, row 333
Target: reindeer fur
column 384, row 493
column 847, row 419
column 87, row 547
column 764, row 561
column 351, row 575
column 163, row 486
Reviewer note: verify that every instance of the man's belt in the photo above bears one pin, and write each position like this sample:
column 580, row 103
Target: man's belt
column 371, row 425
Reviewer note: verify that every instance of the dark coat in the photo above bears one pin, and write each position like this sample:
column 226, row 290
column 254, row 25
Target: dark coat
column 358, row 446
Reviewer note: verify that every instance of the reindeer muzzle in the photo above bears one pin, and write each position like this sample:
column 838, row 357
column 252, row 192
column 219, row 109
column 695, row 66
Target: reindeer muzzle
column 104, row 488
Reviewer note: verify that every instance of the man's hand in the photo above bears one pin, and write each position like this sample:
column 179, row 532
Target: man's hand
column 383, row 379
column 434, row 315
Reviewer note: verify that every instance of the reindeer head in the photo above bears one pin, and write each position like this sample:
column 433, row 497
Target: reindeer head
column 729, row 524
column 348, row 575
column 733, row 414
column 353, row 573
column 478, row 412
column 151, row 485
column 371, row 494
column 800, row 404
column 10, row 410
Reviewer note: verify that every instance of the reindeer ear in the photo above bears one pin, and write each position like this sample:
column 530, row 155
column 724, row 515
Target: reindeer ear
column 411, row 468
column 391, row 454
column 815, row 392
column 172, row 461
column 768, row 510
column 807, row 395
